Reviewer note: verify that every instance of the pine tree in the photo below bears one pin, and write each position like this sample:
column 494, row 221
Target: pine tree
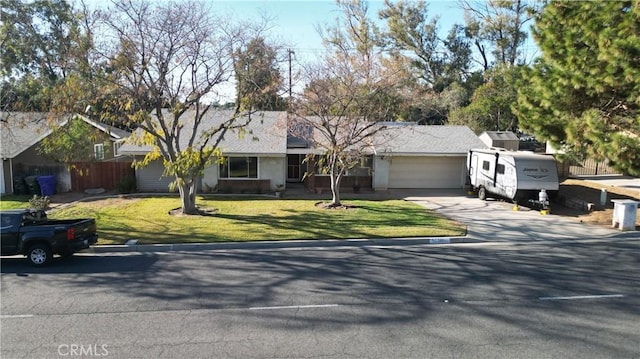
column 583, row 94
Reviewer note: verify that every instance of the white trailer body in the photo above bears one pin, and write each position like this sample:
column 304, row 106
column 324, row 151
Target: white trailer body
column 515, row 175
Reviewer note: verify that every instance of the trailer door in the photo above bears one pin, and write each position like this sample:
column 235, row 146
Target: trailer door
column 473, row 169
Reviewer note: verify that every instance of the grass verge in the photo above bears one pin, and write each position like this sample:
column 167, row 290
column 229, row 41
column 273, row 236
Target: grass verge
column 239, row 219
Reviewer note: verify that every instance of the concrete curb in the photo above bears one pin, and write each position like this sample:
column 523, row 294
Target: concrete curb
column 339, row 243
column 267, row 245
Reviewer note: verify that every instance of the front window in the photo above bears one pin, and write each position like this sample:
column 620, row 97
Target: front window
column 364, row 168
column 98, row 151
column 116, row 148
column 239, row 167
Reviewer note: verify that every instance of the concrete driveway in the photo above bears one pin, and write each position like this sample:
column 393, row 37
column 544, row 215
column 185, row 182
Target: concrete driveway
column 494, row 220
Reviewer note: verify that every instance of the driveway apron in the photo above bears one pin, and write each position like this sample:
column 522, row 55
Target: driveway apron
column 494, row 220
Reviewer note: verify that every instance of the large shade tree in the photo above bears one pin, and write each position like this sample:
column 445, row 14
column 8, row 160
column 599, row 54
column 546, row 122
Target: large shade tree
column 435, row 62
column 491, row 104
column 497, row 29
column 168, row 62
column 433, row 65
column 583, row 95
column 345, row 96
column 44, row 50
column 258, row 76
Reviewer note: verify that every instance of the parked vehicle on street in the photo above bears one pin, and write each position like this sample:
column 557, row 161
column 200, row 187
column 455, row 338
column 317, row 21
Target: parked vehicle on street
column 29, row 232
column 519, row 176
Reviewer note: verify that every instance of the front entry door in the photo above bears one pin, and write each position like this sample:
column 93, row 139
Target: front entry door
column 295, row 168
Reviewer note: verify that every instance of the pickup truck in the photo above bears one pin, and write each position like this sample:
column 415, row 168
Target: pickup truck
column 29, row 232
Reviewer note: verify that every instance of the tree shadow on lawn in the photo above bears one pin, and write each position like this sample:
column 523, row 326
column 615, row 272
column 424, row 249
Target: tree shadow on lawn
column 295, row 225
column 389, row 285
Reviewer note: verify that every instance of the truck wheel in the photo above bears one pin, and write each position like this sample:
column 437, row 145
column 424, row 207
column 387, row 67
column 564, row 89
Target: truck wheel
column 482, row 194
column 39, row 255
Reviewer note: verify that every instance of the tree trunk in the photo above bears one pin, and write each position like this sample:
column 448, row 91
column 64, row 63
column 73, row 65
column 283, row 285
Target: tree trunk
column 335, row 190
column 187, row 190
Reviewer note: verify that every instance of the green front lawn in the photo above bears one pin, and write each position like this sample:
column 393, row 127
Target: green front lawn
column 14, row 202
column 148, row 221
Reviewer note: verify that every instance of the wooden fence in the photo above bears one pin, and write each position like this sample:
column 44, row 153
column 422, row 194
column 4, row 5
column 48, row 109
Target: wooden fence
column 105, row 175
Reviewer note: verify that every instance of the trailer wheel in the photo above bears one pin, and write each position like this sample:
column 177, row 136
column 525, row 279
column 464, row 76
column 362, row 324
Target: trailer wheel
column 482, row 194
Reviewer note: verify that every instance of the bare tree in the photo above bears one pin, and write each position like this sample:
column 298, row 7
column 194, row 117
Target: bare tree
column 345, row 98
column 169, row 61
column 500, row 25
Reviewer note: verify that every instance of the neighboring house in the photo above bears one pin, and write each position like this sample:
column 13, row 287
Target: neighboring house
column 404, row 156
column 108, row 151
column 503, row 139
column 22, row 132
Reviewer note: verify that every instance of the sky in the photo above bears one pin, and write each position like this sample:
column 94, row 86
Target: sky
column 295, row 23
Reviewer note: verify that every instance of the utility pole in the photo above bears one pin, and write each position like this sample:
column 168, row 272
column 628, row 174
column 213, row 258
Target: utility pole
column 290, row 52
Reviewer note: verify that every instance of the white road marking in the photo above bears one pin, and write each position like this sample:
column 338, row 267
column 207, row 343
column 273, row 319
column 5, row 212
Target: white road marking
column 16, row 316
column 576, row 297
column 296, row 307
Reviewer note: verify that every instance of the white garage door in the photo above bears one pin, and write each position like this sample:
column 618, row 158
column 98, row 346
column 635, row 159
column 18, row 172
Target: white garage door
column 426, row 172
column 150, row 178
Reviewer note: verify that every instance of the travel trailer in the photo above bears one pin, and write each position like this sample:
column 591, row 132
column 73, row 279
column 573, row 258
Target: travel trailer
column 516, row 175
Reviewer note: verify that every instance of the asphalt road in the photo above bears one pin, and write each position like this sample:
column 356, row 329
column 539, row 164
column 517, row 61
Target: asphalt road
column 501, row 300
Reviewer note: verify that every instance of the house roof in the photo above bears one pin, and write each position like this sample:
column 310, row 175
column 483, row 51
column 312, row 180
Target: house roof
column 406, row 139
column 500, row 135
column 113, row 132
column 419, row 140
column 21, row 130
column 266, row 134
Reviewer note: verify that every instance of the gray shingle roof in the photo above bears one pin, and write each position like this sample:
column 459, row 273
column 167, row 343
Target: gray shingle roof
column 266, row 134
column 415, row 140
column 399, row 138
column 21, row 130
column 113, row 132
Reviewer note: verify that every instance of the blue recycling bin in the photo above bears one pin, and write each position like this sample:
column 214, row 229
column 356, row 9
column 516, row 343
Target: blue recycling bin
column 47, row 185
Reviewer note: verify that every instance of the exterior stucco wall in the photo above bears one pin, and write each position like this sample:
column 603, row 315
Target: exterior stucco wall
column 210, row 178
column 150, row 178
column 274, row 169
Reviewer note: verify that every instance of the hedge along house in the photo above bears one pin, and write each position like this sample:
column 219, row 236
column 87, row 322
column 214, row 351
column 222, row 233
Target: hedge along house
column 22, row 133
column 252, row 163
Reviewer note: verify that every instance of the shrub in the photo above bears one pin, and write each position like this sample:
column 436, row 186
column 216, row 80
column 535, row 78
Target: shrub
column 126, row 185
column 38, row 202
